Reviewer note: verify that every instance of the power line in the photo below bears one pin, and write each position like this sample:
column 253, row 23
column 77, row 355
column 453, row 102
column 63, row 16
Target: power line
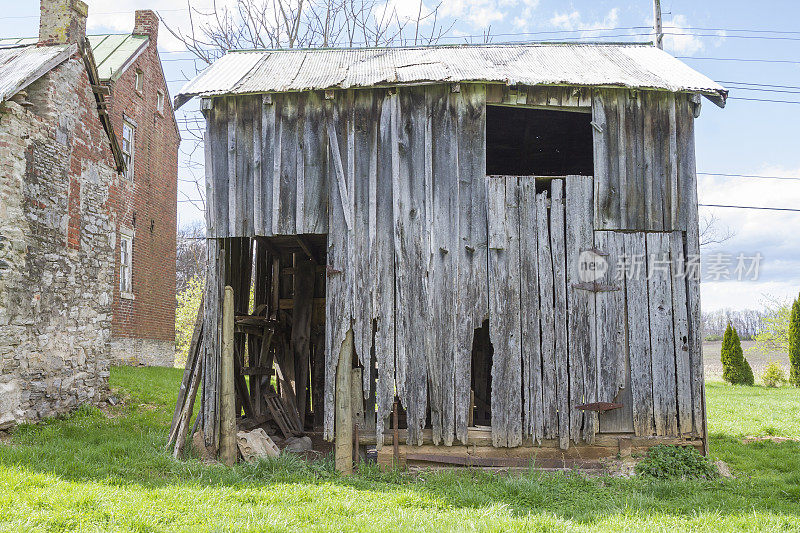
column 744, row 60
column 764, row 100
column 751, row 207
column 753, row 176
column 759, row 84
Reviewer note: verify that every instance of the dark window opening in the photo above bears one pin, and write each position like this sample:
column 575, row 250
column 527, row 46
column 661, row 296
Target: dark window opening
column 482, row 352
column 537, row 142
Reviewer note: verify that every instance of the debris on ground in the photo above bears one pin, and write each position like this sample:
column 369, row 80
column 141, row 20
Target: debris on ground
column 256, row 444
column 298, row 444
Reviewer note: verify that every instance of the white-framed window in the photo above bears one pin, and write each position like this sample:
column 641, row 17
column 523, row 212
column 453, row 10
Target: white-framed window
column 139, row 80
column 160, row 101
column 126, row 264
column 128, row 142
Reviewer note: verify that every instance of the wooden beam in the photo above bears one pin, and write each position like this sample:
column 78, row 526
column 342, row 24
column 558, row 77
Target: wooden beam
column 306, row 248
column 344, row 412
column 227, row 444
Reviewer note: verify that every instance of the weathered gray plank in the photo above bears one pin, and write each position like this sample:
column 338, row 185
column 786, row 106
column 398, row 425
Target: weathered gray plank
column 612, row 356
column 257, row 171
column 606, row 119
column 442, row 213
column 530, row 336
column 558, row 250
column 285, row 202
column 383, row 261
column 638, row 315
column 473, row 286
column 339, row 283
column 411, row 260
column 689, row 214
column 364, row 156
column 633, row 129
column 680, row 316
column 234, row 210
column 547, row 318
column 269, row 156
column 581, row 309
column 654, row 170
column 314, row 148
column 504, row 305
column 662, row 340
column 217, row 211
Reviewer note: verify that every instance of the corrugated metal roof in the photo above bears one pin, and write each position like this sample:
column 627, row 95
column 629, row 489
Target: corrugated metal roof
column 22, row 65
column 113, row 52
column 599, row 64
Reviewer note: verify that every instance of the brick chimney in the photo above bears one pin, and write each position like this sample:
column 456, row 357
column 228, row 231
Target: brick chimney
column 146, row 24
column 62, row 21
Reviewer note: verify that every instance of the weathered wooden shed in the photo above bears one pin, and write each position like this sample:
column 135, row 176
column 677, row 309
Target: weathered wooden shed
column 497, row 237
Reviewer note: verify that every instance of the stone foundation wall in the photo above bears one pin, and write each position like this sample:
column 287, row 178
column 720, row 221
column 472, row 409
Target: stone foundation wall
column 56, row 248
column 142, row 352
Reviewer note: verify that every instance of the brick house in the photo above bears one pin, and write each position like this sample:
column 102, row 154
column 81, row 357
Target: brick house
column 69, row 197
column 140, row 110
column 142, row 116
column 59, row 169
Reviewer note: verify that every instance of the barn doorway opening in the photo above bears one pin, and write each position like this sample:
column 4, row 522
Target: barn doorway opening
column 482, row 353
column 524, row 141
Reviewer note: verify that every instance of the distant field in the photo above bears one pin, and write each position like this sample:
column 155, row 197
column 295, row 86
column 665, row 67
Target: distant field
column 758, row 360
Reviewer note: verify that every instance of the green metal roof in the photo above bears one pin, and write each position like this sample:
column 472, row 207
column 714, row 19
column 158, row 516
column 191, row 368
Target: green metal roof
column 111, row 52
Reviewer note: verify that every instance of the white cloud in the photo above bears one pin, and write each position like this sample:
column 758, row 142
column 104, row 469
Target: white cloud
column 773, row 234
column 679, row 40
column 573, row 21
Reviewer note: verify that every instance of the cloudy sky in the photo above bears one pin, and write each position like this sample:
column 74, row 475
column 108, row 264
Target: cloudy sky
column 752, row 50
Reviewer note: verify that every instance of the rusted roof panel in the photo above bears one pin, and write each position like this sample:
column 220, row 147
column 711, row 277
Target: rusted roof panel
column 600, row 64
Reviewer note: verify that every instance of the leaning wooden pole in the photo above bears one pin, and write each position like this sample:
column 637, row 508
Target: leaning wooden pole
column 344, row 410
column 227, row 441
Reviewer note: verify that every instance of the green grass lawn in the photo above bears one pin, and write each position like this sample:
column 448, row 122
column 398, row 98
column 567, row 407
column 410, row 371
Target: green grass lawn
column 96, row 471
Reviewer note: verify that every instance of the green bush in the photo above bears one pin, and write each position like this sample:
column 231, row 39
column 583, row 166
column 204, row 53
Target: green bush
column 676, row 462
column 735, row 368
column 794, row 344
column 773, row 375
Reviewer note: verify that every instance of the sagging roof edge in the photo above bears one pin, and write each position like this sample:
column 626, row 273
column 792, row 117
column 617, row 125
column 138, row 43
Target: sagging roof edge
column 43, row 69
column 718, row 98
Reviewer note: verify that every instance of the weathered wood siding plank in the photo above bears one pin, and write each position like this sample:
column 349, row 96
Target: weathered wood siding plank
column 314, row 149
column 504, row 304
column 612, row 353
column 688, row 192
column 268, row 162
column 581, row 308
column 680, row 314
column 636, row 301
column 530, row 337
column 339, row 283
column 547, row 318
column 606, row 119
column 472, row 300
column 557, row 248
column 443, row 292
column 285, row 202
column 383, row 260
column 412, row 247
column 662, row 340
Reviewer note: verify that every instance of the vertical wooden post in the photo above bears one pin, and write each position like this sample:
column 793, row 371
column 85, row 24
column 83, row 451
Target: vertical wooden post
column 344, row 411
column 227, row 444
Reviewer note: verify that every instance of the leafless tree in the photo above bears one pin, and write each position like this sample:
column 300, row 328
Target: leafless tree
column 191, row 256
column 304, row 23
column 712, row 232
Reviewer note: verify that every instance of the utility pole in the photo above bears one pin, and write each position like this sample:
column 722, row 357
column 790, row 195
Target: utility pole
column 659, row 30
